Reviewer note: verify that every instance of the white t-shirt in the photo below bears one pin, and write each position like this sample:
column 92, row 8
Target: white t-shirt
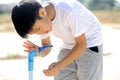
column 72, row 20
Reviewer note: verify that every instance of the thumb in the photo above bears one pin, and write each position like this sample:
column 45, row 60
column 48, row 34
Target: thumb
column 52, row 66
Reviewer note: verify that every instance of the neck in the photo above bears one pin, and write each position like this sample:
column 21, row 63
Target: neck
column 50, row 11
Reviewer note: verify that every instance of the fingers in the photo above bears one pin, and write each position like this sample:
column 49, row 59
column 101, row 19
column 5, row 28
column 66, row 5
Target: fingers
column 52, row 66
column 26, row 50
column 29, row 46
column 29, row 43
column 52, row 70
column 47, row 72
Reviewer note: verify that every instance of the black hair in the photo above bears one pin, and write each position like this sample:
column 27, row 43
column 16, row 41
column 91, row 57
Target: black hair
column 24, row 16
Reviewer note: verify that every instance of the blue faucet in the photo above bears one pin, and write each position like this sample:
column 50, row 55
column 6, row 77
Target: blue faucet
column 31, row 56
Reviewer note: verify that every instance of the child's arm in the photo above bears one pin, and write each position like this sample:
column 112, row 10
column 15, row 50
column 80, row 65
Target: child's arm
column 44, row 42
column 31, row 46
column 74, row 54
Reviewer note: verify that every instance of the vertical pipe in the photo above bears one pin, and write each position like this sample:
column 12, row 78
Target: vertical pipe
column 30, row 75
column 31, row 63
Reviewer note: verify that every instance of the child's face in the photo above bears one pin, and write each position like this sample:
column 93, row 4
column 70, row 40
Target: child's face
column 41, row 26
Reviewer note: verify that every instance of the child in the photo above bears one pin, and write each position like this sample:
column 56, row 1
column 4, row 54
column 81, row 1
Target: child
column 81, row 54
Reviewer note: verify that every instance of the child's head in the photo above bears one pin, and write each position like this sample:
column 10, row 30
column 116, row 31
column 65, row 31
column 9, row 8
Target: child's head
column 29, row 18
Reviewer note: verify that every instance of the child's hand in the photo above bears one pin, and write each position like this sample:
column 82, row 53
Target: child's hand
column 30, row 46
column 52, row 70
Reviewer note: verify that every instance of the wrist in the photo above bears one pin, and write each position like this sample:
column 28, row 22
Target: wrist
column 44, row 50
column 39, row 53
column 61, row 65
column 36, row 48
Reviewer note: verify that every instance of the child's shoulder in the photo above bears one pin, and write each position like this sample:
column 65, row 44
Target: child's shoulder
column 67, row 5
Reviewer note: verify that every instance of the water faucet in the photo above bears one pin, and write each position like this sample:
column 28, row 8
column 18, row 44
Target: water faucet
column 31, row 56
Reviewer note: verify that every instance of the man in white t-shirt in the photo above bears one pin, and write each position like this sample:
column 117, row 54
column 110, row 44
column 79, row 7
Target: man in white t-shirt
column 81, row 55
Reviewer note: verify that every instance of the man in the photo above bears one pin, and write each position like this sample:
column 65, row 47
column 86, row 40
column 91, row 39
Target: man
column 81, row 54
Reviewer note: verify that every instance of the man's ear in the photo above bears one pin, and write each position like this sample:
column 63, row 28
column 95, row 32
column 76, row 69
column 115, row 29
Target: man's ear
column 42, row 13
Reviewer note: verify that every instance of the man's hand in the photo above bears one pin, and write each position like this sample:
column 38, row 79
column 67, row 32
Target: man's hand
column 52, row 70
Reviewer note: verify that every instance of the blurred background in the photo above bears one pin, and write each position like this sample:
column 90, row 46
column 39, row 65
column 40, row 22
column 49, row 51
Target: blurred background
column 14, row 60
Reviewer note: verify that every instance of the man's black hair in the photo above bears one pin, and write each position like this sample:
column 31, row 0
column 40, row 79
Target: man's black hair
column 24, row 16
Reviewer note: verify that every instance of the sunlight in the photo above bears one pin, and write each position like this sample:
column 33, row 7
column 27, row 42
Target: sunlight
column 118, row 0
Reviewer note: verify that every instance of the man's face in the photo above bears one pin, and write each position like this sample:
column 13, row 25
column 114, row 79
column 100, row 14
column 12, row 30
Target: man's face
column 41, row 26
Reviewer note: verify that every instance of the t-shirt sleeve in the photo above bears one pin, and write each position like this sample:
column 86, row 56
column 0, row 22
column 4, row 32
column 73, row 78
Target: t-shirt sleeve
column 77, row 24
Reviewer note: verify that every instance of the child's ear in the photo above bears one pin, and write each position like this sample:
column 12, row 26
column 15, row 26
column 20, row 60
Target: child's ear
column 42, row 12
